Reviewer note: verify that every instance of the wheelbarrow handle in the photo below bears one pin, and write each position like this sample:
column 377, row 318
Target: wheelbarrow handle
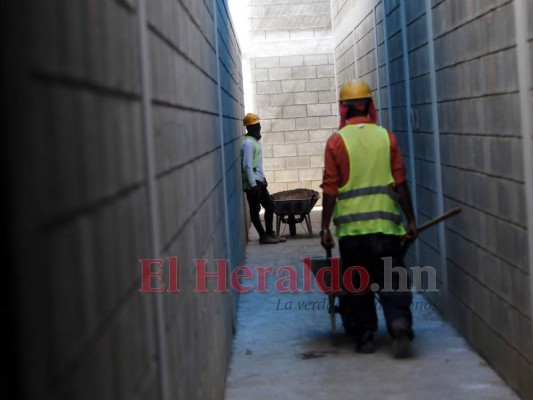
column 429, row 224
column 441, row 218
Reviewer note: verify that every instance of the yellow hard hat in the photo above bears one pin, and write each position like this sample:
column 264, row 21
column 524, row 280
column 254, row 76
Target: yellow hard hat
column 355, row 90
column 251, row 119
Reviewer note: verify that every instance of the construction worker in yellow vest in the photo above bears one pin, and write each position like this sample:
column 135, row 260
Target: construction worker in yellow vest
column 254, row 182
column 364, row 186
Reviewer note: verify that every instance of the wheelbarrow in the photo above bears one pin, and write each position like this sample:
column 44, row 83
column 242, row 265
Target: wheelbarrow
column 294, row 211
column 325, row 283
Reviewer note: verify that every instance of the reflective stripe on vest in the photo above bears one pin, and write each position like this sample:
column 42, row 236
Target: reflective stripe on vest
column 245, row 183
column 366, row 203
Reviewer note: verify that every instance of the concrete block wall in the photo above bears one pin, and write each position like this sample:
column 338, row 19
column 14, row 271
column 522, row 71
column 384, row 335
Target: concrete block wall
column 482, row 264
column 483, row 172
column 293, row 88
column 89, row 196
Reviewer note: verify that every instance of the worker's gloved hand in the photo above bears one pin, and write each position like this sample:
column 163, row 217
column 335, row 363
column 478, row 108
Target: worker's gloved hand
column 411, row 234
column 256, row 191
column 265, row 182
column 326, row 239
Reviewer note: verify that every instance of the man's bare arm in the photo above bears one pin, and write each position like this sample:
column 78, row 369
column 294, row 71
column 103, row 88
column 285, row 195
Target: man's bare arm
column 404, row 198
column 328, row 204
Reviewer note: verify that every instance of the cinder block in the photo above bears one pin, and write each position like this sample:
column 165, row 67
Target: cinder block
column 271, row 112
column 310, row 174
column 266, row 126
column 296, row 137
column 268, row 150
column 297, row 162
column 260, row 75
column 315, row 110
column 329, row 122
column 298, row 185
column 278, row 35
column 306, row 98
column 273, row 138
column 308, row 123
column 287, row 175
column 316, row 161
column 315, row 185
column 305, row 72
column 281, row 22
column 262, row 100
column 323, row 32
column 270, row 177
column 278, row 74
column 302, row 34
column 271, row 164
column 325, row 71
column 319, row 59
column 293, row 85
column 321, row 135
column 294, row 111
column 328, row 96
column 275, row 187
column 269, row 87
column 291, row 61
column 282, row 99
column 283, row 125
column 256, row 11
column 266, row 62
column 257, row 36
column 285, row 150
column 315, row 84
column 316, row 21
column 309, row 149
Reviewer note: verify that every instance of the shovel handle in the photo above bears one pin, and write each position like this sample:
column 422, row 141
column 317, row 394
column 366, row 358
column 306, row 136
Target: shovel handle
column 441, row 218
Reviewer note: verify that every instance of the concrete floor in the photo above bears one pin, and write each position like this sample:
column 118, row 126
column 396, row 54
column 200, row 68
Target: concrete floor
column 284, row 352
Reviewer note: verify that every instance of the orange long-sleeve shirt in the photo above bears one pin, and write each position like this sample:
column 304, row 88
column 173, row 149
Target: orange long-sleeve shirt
column 337, row 162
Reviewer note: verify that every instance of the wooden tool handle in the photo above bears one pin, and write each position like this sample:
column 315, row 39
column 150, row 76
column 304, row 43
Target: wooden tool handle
column 435, row 221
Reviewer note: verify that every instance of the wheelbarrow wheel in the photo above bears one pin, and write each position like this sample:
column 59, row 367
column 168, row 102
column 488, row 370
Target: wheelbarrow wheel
column 292, row 225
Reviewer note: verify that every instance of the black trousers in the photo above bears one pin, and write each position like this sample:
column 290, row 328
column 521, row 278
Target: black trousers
column 358, row 311
column 255, row 203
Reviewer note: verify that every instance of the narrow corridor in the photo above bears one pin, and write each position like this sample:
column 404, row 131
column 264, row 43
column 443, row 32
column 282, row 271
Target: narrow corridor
column 282, row 351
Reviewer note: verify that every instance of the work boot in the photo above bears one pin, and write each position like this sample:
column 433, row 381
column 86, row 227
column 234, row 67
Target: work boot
column 365, row 343
column 279, row 239
column 401, row 341
column 267, row 239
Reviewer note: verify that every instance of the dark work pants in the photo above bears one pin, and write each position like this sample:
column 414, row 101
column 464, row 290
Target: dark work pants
column 255, row 203
column 359, row 310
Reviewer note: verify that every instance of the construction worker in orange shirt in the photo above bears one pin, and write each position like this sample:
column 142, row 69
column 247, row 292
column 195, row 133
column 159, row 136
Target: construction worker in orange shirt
column 364, row 182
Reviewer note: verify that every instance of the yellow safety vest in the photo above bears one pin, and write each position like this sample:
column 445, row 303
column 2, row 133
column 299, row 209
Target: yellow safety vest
column 366, row 204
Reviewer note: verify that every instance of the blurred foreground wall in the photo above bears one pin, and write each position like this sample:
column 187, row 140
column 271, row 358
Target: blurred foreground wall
column 122, row 124
column 452, row 79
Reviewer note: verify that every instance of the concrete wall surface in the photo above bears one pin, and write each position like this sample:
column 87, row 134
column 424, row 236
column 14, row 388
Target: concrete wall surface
column 292, row 84
column 454, row 84
column 121, row 144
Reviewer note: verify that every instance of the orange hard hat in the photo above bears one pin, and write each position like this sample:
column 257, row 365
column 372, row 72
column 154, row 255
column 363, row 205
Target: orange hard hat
column 355, row 90
column 251, row 119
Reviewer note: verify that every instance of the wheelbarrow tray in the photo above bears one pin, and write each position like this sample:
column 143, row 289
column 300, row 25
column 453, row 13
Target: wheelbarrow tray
column 295, row 207
column 293, row 211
